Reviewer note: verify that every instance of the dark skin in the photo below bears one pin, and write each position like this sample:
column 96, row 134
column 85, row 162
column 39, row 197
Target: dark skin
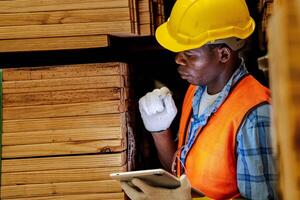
column 209, row 65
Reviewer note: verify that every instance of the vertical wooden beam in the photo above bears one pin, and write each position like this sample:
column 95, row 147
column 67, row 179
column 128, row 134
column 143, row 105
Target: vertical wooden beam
column 284, row 46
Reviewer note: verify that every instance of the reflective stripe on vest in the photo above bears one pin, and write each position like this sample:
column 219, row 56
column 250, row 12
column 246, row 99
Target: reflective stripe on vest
column 211, row 162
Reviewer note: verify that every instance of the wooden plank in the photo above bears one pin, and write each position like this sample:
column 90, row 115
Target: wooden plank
column 21, row 6
column 61, row 30
column 65, row 17
column 35, row 190
column 133, row 16
column 143, row 6
column 161, row 11
column 64, row 71
column 63, row 97
column 58, row 176
column 102, row 196
column 66, row 148
column 64, row 110
column 64, row 162
column 145, row 29
column 10, row 87
column 144, row 17
column 128, row 80
column 55, row 43
column 49, row 136
column 283, row 73
column 94, row 121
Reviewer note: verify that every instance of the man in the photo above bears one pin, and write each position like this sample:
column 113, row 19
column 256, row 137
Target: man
column 224, row 146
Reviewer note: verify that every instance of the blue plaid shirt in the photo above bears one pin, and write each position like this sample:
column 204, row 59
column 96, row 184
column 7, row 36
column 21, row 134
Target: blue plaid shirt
column 256, row 172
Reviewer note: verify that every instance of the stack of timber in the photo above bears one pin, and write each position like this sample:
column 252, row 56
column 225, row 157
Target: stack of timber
column 27, row 25
column 150, row 15
column 265, row 10
column 284, row 51
column 64, row 131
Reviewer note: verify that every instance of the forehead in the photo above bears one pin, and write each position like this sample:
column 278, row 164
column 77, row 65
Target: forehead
column 204, row 48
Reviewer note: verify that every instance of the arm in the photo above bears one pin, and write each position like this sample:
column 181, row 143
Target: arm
column 166, row 147
column 158, row 110
column 256, row 167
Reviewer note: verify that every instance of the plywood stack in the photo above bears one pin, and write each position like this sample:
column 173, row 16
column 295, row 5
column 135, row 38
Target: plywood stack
column 284, row 47
column 160, row 13
column 265, row 10
column 145, row 17
column 64, row 131
column 149, row 15
column 27, row 25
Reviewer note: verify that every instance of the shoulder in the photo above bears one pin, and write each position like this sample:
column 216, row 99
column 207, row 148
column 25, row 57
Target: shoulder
column 256, row 127
column 260, row 113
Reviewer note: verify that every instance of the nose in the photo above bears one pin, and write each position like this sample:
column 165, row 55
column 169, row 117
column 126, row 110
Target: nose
column 180, row 59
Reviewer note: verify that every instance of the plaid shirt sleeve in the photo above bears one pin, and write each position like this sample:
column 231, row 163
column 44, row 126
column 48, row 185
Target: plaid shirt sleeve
column 256, row 168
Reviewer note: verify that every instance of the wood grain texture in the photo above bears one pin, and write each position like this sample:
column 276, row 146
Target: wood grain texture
column 65, row 17
column 61, row 30
column 284, row 48
column 55, row 43
column 102, row 196
column 23, row 6
column 65, row 71
column 63, row 97
column 66, row 148
column 145, row 29
column 64, row 162
column 143, row 6
column 11, row 87
column 65, row 135
column 58, row 176
column 94, row 121
column 35, row 190
column 63, row 110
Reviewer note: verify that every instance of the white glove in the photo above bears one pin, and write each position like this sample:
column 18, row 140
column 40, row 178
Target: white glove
column 148, row 192
column 157, row 109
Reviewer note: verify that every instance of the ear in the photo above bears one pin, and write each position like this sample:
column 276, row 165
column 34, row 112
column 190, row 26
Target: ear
column 224, row 54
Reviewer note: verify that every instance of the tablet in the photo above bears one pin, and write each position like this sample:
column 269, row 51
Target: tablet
column 155, row 177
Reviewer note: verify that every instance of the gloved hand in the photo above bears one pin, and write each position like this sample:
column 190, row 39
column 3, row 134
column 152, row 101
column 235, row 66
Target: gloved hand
column 153, row 193
column 157, row 109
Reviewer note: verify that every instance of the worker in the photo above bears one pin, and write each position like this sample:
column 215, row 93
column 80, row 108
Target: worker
column 224, row 143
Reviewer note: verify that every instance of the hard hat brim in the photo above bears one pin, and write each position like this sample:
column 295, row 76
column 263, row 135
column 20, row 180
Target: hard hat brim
column 166, row 40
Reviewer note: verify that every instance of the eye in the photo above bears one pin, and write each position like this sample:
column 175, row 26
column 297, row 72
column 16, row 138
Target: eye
column 188, row 54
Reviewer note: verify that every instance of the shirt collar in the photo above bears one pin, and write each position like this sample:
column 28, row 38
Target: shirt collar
column 236, row 76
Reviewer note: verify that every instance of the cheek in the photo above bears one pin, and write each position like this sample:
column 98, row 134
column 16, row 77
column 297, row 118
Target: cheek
column 197, row 77
column 199, row 69
column 201, row 75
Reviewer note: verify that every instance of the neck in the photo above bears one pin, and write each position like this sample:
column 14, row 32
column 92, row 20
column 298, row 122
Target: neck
column 220, row 81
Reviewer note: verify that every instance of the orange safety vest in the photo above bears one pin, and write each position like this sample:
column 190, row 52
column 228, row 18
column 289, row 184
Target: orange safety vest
column 211, row 162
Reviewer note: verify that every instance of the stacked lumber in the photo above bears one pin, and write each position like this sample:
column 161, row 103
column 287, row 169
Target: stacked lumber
column 265, row 10
column 71, row 24
column 284, row 47
column 150, row 16
column 64, row 131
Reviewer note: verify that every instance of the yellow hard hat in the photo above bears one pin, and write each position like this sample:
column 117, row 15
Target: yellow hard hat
column 194, row 23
